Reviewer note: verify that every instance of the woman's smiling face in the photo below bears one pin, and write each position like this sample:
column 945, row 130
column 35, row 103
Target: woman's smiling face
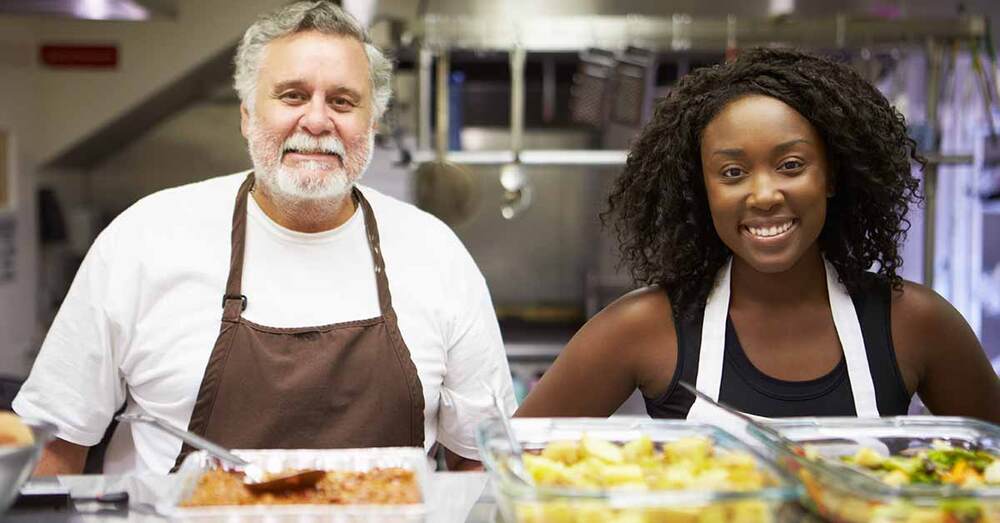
column 767, row 180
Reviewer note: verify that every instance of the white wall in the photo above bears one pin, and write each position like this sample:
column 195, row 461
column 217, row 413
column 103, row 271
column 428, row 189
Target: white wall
column 19, row 107
column 151, row 55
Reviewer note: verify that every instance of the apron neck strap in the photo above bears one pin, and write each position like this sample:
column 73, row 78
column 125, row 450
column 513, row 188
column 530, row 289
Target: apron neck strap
column 845, row 319
column 234, row 302
column 375, row 246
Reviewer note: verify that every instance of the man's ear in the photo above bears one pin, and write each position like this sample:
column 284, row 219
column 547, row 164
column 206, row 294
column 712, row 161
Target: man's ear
column 244, row 120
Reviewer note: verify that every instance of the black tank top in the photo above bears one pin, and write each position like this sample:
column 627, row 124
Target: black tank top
column 748, row 389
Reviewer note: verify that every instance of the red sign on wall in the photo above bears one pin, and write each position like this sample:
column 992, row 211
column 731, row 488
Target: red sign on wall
column 80, row 56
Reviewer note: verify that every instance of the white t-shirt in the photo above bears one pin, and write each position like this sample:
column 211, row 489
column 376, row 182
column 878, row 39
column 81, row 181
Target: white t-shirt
column 143, row 313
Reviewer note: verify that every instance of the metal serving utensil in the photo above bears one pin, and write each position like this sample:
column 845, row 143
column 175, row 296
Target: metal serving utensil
column 770, row 431
column 254, row 477
column 516, row 462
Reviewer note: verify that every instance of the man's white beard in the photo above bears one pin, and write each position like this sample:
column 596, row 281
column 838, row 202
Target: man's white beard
column 310, row 181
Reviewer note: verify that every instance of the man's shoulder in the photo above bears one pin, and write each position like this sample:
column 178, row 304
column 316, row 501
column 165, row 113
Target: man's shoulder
column 398, row 216
column 219, row 191
column 187, row 203
column 202, row 206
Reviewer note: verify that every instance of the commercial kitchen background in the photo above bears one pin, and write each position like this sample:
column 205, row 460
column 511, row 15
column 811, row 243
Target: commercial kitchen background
column 78, row 144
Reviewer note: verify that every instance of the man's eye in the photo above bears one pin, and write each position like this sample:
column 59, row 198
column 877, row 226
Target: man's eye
column 293, row 97
column 342, row 103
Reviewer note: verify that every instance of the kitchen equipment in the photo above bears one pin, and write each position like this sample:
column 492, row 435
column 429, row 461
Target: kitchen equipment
column 17, row 463
column 256, row 479
column 197, row 463
column 749, row 420
column 445, row 189
column 842, row 493
column 515, row 463
column 523, row 503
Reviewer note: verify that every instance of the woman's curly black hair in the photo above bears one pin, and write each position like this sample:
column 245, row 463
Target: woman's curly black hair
column 660, row 209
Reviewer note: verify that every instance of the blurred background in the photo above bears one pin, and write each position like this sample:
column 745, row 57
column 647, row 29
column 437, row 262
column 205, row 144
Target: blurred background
column 105, row 101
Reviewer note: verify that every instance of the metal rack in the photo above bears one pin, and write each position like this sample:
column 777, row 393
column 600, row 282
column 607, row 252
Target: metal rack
column 438, row 35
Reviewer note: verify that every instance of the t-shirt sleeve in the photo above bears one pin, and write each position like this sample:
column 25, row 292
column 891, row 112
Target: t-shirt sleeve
column 75, row 383
column 476, row 356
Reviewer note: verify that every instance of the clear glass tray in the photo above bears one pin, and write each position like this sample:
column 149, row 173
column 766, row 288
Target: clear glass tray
column 524, row 503
column 274, row 461
column 843, row 493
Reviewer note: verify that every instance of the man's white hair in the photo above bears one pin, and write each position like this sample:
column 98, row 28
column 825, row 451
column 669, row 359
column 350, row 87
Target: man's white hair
column 323, row 16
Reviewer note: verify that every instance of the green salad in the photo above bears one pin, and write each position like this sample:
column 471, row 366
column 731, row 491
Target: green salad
column 941, row 464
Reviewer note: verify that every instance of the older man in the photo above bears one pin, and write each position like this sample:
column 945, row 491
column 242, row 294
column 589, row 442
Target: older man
column 347, row 318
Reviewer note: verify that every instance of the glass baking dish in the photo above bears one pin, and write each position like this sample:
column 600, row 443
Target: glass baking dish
column 277, row 460
column 523, row 503
column 839, row 492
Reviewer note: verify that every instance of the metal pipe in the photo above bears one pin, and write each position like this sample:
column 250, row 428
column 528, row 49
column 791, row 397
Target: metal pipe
column 441, row 101
column 517, row 100
column 934, row 58
column 425, row 60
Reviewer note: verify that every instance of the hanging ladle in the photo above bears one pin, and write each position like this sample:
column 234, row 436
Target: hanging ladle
column 254, row 477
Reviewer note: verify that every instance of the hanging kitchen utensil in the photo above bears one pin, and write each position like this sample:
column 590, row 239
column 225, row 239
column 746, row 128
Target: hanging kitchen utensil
column 255, row 479
column 590, row 87
column 444, row 189
column 517, row 194
column 633, row 80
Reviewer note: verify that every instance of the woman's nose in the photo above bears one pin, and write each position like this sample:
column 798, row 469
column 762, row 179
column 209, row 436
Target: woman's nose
column 765, row 192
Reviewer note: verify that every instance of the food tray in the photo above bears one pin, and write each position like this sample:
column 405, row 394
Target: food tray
column 842, row 493
column 524, row 503
column 276, row 460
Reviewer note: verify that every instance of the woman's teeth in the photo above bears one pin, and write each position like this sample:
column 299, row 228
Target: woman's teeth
column 774, row 230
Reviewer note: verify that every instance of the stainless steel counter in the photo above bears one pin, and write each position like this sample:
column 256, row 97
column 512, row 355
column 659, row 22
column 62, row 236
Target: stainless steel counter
column 454, row 497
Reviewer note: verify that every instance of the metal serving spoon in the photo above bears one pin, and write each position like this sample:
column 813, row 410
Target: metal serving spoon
column 254, row 477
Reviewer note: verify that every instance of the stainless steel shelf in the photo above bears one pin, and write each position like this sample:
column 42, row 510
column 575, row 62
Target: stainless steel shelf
column 681, row 32
column 565, row 157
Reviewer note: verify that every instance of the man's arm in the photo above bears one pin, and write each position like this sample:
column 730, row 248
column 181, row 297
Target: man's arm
column 61, row 457
column 459, row 463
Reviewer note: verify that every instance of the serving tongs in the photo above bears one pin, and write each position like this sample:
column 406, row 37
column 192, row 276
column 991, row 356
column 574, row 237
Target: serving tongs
column 255, row 479
column 782, row 440
column 515, row 464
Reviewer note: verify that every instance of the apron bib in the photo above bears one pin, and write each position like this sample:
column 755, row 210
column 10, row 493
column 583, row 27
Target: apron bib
column 713, row 342
column 343, row 385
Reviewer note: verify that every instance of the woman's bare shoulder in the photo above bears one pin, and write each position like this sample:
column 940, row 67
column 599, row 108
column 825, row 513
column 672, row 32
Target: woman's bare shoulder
column 638, row 312
column 925, row 326
column 642, row 323
column 921, row 310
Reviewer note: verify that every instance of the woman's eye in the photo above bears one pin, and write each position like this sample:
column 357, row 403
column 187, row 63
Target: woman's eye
column 791, row 165
column 732, row 172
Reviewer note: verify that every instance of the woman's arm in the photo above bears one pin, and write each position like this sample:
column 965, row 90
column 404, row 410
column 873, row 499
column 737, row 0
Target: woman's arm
column 629, row 344
column 942, row 355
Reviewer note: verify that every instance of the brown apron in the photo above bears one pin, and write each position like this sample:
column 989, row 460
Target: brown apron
column 344, row 385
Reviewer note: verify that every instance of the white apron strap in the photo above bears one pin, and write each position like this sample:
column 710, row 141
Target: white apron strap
column 845, row 319
column 713, row 343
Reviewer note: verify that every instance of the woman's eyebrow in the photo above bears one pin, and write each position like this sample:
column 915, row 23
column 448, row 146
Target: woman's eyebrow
column 729, row 153
column 783, row 147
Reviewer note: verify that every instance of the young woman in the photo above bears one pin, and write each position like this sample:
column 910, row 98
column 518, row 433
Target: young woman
column 754, row 206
